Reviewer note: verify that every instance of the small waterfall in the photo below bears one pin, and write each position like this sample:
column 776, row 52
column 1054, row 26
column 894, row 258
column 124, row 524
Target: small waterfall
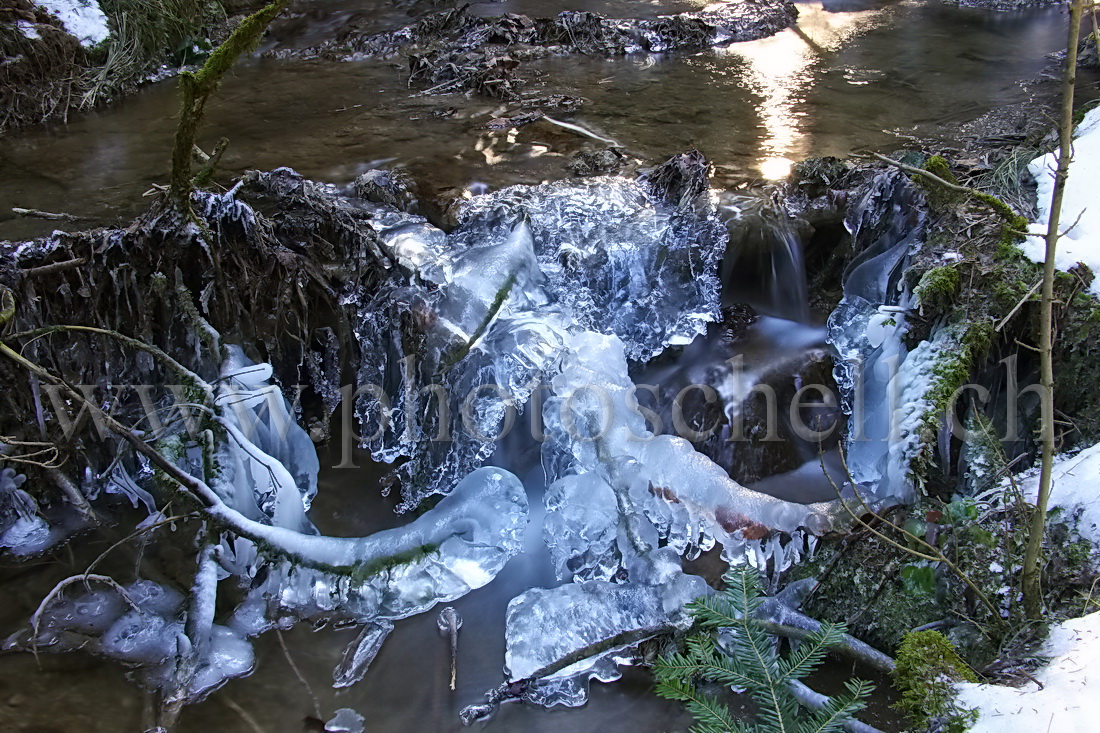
column 764, row 265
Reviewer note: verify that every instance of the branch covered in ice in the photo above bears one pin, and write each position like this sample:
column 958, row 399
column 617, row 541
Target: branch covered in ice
column 603, row 455
column 494, row 302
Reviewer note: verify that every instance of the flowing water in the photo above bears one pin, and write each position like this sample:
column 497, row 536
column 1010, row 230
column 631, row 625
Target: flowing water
column 853, row 76
column 847, row 81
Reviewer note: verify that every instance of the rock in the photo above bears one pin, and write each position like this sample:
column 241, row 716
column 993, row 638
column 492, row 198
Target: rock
column 596, row 163
column 387, row 187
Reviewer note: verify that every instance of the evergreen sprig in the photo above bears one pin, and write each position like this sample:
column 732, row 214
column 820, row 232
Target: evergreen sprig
column 747, row 659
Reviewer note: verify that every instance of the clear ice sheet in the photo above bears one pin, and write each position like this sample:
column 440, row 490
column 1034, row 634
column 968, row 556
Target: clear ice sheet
column 495, row 301
column 583, row 615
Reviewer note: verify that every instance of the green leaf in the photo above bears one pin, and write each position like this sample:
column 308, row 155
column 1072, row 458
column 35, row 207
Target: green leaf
column 919, row 579
column 982, row 536
column 962, row 511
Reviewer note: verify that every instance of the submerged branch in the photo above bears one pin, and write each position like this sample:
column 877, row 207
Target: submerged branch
column 816, row 701
column 847, row 645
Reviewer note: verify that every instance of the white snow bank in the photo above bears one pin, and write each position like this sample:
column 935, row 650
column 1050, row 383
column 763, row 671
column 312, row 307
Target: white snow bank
column 1068, row 702
column 1076, row 485
column 82, row 19
column 1082, row 242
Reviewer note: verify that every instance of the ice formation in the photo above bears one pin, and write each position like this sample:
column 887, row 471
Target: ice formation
column 459, row 545
column 1080, row 217
column 346, row 720
column 266, row 476
column 360, row 653
column 566, row 283
column 143, row 625
column 867, row 329
column 22, row 530
column 620, row 489
column 268, row 467
column 494, row 302
column 610, row 617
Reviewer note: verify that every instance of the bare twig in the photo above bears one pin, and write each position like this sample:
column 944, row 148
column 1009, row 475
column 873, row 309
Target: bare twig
column 1030, row 580
column 54, row 268
column 48, row 215
column 243, row 714
column 298, row 673
column 1019, row 305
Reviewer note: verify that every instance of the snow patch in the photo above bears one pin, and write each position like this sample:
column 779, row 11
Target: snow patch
column 28, row 29
column 1065, row 702
column 1076, row 486
column 82, row 19
column 1080, row 213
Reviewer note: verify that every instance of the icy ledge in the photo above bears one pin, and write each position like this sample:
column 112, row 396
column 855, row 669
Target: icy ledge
column 1068, row 699
column 266, row 477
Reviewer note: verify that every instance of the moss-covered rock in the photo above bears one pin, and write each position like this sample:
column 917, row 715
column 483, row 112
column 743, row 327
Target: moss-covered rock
column 937, row 287
column 927, row 669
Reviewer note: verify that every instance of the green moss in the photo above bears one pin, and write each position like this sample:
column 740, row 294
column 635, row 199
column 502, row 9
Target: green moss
column 196, row 88
column 1007, row 248
column 954, row 370
column 927, row 669
column 383, row 564
column 939, row 197
column 1012, row 219
column 938, row 166
column 937, row 287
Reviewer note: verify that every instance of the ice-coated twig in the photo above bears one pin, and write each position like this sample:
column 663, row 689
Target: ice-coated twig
column 53, row 595
column 191, row 644
column 513, row 690
column 449, row 623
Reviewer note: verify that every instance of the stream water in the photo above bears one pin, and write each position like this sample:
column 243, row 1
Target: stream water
column 880, row 74
column 855, row 75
